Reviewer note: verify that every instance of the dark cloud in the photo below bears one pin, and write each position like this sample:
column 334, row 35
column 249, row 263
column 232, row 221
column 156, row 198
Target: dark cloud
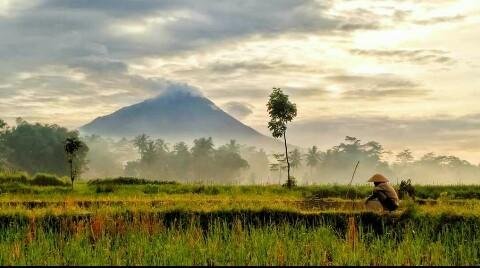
column 239, row 110
column 350, row 27
column 416, row 56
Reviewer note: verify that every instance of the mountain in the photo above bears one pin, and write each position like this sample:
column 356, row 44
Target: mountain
column 177, row 116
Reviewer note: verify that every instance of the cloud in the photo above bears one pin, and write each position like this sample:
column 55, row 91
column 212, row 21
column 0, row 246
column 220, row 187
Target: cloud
column 415, row 56
column 377, row 80
column 376, row 94
column 239, row 110
column 377, row 87
column 440, row 19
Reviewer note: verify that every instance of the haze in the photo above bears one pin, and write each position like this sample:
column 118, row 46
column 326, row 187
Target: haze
column 403, row 73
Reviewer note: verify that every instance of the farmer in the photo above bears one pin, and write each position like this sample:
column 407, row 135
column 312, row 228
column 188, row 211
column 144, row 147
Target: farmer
column 383, row 193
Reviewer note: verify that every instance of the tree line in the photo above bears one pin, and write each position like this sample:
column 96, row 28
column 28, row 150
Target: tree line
column 41, row 148
column 201, row 162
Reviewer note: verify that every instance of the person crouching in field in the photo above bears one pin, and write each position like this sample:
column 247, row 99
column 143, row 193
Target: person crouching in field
column 383, row 193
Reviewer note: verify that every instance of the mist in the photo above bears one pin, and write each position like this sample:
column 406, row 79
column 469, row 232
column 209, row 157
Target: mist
column 201, row 160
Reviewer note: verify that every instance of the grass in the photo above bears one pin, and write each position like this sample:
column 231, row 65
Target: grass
column 140, row 239
column 132, row 222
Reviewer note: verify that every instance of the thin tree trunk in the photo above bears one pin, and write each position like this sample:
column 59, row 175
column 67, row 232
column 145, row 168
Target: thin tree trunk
column 71, row 171
column 289, row 182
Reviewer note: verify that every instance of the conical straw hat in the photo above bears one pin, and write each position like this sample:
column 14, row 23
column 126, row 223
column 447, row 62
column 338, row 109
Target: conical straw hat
column 378, row 178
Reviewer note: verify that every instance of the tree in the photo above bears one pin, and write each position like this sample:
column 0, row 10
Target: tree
column 38, row 148
column 141, row 143
column 295, row 158
column 313, row 158
column 181, row 161
column 202, row 154
column 3, row 147
column 75, row 148
column 228, row 161
column 281, row 112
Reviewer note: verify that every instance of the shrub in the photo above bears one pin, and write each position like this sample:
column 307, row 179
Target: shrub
column 128, row 181
column 290, row 183
column 104, row 189
column 42, row 179
column 406, row 189
column 209, row 190
column 18, row 177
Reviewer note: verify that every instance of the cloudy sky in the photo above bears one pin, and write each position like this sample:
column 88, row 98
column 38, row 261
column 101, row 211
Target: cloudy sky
column 404, row 73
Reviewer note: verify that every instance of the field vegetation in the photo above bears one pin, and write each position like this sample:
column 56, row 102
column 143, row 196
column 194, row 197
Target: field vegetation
column 129, row 221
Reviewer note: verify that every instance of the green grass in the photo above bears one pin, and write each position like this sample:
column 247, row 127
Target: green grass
column 142, row 240
column 133, row 222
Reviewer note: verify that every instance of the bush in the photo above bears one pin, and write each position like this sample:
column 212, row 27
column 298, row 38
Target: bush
column 19, row 177
column 104, row 189
column 42, row 179
column 406, row 189
column 209, row 190
column 128, row 181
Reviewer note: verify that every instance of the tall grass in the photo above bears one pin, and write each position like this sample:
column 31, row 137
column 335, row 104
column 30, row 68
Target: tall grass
column 146, row 241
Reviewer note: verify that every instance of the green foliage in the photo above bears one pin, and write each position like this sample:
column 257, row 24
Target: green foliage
column 37, row 148
column 406, row 189
column 43, row 179
column 209, row 190
column 240, row 238
column 151, row 189
column 129, row 181
column 281, row 112
column 16, row 188
column 76, row 151
column 17, row 177
column 104, row 189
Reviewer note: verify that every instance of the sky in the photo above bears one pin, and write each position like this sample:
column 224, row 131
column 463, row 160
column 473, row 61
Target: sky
column 403, row 73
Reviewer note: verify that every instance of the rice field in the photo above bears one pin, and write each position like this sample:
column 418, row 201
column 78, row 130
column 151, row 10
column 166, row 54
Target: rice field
column 232, row 225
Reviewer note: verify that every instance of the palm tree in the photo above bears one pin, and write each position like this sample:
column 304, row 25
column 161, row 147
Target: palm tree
column 72, row 147
column 313, row 158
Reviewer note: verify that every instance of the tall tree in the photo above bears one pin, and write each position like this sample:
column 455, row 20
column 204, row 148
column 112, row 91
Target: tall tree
column 202, row 154
column 313, row 158
column 295, row 158
column 228, row 162
column 76, row 151
column 181, row 161
column 3, row 147
column 281, row 112
column 141, row 143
